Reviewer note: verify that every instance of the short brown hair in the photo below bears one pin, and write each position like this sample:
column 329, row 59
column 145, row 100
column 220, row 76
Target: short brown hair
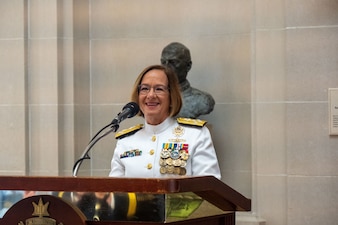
column 174, row 89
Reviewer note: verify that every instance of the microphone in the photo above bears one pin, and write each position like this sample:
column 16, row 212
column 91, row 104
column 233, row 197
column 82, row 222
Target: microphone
column 128, row 111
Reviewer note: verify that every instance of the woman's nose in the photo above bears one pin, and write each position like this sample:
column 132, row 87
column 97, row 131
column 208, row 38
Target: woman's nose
column 151, row 92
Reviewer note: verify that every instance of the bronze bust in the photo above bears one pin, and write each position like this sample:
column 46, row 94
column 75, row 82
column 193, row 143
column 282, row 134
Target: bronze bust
column 195, row 101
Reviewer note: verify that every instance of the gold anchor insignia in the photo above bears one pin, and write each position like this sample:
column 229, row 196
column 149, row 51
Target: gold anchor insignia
column 41, row 215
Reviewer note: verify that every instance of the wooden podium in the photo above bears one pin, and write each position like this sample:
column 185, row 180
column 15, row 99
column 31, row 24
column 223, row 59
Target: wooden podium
column 210, row 200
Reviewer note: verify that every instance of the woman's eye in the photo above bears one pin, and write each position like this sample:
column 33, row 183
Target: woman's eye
column 159, row 89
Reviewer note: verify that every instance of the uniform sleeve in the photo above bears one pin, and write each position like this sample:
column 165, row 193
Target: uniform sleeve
column 204, row 159
column 117, row 167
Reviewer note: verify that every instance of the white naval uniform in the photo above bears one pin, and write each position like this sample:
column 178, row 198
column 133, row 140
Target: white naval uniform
column 146, row 146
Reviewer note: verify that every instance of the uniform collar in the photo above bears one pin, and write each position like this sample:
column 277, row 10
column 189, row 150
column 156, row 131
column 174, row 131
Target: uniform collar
column 156, row 129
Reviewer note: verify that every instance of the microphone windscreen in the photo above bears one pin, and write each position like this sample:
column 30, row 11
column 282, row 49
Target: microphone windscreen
column 133, row 107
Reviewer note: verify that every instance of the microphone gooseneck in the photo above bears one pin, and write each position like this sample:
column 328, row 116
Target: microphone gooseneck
column 129, row 110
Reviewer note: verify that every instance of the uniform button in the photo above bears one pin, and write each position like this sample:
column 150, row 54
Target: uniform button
column 153, row 138
column 149, row 166
column 152, row 151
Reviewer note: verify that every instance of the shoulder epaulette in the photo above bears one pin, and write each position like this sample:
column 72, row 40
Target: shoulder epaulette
column 129, row 131
column 191, row 122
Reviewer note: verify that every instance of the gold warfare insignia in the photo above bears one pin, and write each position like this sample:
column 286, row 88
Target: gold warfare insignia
column 174, row 158
column 41, row 215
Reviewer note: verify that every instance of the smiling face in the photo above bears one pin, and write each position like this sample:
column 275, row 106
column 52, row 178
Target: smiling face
column 155, row 106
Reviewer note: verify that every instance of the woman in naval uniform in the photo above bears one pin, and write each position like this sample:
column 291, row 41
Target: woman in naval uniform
column 164, row 146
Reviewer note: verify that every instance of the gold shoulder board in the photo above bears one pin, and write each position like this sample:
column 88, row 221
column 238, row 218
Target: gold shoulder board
column 192, row 122
column 129, row 131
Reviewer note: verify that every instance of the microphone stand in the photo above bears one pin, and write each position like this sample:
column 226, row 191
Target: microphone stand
column 114, row 126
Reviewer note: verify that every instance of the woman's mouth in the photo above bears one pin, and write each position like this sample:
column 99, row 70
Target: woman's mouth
column 150, row 104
